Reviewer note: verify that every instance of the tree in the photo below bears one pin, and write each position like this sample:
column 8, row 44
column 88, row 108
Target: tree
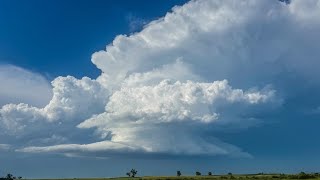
column 178, row 173
column 230, row 174
column 198, row 173
column 10, row 177
column 209, row 173
column 133, row 172
column 128, row 174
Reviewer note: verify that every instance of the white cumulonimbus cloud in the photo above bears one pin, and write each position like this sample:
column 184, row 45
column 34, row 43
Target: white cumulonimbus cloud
column 166, row 88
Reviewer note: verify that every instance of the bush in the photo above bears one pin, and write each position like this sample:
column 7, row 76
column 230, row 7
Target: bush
column 303, row 175
column 198, row 173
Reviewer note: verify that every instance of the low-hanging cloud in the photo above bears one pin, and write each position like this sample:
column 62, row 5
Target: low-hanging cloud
column 166, row 88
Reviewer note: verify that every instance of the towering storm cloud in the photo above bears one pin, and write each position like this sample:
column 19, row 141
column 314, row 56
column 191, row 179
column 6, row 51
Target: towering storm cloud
column 207, row 65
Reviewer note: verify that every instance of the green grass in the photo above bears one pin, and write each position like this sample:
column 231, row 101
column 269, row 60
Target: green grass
column 214, row 177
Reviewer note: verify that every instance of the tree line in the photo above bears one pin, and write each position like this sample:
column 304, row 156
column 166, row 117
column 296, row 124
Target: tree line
column 197, row 173
column 301, row 175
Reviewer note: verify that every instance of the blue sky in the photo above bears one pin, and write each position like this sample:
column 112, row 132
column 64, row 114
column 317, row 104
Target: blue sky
column 95, row 88
column 40, row 35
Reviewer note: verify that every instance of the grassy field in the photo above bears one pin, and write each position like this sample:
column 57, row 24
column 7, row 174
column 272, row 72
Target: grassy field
column 214, row 177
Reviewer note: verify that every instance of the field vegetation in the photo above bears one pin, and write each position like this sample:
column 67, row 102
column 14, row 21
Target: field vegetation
column 133, row 175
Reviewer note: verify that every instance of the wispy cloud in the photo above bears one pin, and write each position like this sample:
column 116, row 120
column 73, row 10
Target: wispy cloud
column 4, row 147
column 136, row 23
column 20, row 85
